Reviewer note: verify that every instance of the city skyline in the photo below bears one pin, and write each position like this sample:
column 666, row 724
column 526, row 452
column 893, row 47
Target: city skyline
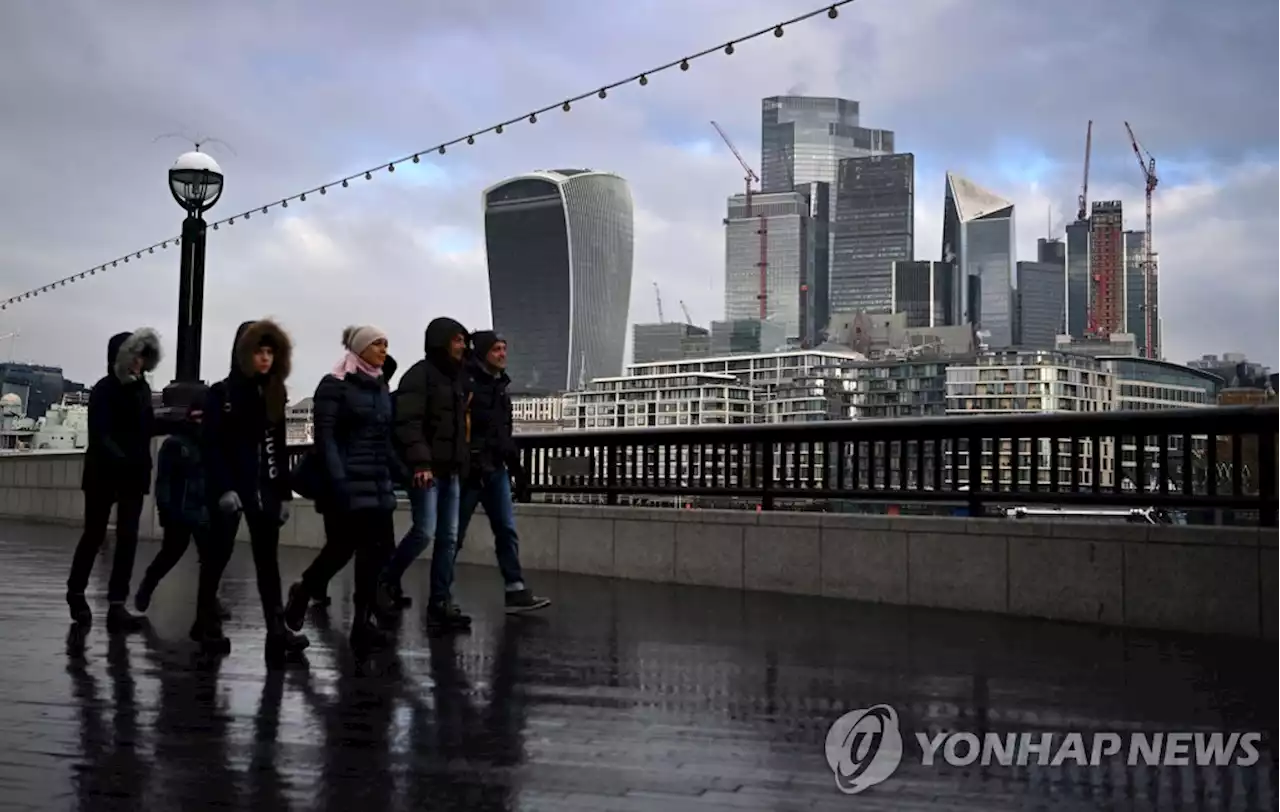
column 409, row 246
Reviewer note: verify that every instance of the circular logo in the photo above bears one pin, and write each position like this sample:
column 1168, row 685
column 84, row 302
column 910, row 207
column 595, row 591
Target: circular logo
column 864, row 748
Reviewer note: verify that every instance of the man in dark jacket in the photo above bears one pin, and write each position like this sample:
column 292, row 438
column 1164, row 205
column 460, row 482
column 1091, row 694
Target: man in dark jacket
column 494, row 463
column 431, row 432
column 242, row 442
column 117, row 471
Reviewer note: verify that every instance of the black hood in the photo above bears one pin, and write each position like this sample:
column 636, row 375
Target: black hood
column 477, row 364
column 389, row 367
column 123, row 348
column 439, row 333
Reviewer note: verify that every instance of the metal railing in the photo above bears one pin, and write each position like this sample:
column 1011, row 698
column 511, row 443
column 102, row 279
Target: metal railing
column 1194, row 461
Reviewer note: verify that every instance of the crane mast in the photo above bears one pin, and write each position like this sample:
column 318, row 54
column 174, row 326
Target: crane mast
column 657, row 294
column 763, row 231
column 1147, row 163
column 1082, row 209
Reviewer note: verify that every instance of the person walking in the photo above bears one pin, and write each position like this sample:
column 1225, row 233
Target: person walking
column 247, row 472
column 431, row 430
column 357, row 467
column 332, row 528
column 182, row 504
column 495, row 462
column 117, row 471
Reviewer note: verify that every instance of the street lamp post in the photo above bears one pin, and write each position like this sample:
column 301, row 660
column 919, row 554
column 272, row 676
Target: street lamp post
column 196, row 184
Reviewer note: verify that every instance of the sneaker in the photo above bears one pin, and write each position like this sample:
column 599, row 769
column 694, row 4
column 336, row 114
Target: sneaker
column 446, row 616
column 522, row 600
column 210, row 637
column 80, row 613
column 142, row 600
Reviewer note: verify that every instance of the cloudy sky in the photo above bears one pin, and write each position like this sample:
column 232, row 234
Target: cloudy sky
column 304, row 92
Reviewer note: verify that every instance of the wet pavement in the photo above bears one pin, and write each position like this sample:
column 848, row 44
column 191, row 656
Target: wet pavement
column 622, row 696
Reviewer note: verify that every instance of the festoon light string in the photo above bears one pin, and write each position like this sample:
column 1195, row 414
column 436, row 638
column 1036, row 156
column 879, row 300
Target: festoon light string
column 565, row 105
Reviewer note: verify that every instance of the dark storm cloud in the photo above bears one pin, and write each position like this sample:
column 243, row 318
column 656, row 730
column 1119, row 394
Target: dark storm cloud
column 304, row 92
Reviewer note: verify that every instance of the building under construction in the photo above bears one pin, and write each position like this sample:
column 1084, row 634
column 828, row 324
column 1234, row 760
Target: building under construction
column 1106, row 269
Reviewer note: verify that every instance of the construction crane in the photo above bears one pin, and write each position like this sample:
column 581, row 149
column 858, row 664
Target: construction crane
column 13, row 343
column 763, row 231
column 1082, row 208
column 657, row 294
column 1147, row 164
column 687, row 318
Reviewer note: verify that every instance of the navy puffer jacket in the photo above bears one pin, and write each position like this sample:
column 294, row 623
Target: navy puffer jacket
column 353, row 426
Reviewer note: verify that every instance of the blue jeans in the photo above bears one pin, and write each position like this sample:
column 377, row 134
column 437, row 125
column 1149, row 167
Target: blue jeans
column 493, row 492
column 435, row 518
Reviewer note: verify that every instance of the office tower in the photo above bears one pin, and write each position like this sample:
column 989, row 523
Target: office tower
column 978, row 236
column 874, row 227
column 780, row 223
column 736, row 336
column 1041, row 299
column 559, row 245
column 1106, row 269
column 668, row 341
column 804, row 138
column 1051, row 250
column 815, row 289
column 925, row 292
column 1077, row 282
column 1135, row 292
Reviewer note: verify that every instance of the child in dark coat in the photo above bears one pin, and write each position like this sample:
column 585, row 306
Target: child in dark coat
column 182, row 503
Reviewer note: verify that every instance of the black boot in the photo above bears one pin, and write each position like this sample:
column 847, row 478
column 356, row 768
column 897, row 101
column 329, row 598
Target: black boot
column 119, row 621
column 295, row 608
column 446, row 616
column 366, row 636
column 208, row 634
column 80, row 614
column 281, row 642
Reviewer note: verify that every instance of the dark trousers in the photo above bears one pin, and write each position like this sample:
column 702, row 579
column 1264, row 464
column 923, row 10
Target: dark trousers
column 177, row 537
column 367, row 535
column 264, row 540
column 97, row 513
column 340, row 550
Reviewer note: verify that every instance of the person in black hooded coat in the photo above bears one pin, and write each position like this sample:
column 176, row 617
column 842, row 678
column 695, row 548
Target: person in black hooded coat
column 117, row 471
column 432, row 431
column 242, row 441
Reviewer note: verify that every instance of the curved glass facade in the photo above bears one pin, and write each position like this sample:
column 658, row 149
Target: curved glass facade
column 560, row 247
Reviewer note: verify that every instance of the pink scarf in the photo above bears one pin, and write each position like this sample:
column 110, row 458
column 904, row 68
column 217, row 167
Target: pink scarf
column 354, row 363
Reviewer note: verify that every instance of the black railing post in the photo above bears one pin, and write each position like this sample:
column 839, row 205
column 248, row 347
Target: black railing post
column 766, row 481
column 975, row 473
column 611, row 474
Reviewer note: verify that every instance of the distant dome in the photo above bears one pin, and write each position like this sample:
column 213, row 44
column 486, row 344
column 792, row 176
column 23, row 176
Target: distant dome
column 11, row 399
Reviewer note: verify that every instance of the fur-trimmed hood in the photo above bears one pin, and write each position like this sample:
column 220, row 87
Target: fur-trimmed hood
column 124, row 348
column 253, row 334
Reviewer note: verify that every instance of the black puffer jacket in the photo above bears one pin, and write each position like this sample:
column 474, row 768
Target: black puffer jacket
column 242, row 439
column 431, row 417
column 121, row 421
column 492, row 444
column 353, row 426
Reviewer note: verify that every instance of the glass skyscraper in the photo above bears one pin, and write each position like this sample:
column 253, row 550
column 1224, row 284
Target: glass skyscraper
column 1041, row 299
column 560, row 245
column 804, row 138
column 1077, row 278
column 791, row 257
column 978, row 236
column 874, row 227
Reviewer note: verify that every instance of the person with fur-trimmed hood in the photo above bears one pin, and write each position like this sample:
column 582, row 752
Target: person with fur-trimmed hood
column 242, row 442
column 117, row 471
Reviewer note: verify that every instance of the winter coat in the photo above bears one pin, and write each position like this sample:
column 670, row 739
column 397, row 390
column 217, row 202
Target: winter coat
column 243, row 438
column 492, row 444
column 182, row 497
column 121, row 421
column 354, row 451
column 431, row 420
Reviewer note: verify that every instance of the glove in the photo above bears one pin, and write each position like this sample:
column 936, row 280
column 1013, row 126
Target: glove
column 284, row 513
column 230, row 502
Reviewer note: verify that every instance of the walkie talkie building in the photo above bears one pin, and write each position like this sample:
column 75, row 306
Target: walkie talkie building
column 560, row 245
